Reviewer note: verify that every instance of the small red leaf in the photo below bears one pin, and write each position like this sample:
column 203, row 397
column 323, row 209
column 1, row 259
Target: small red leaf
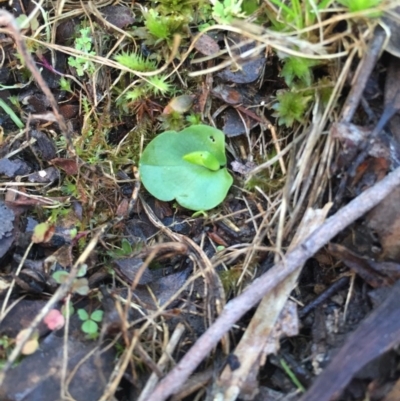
column 54, row 320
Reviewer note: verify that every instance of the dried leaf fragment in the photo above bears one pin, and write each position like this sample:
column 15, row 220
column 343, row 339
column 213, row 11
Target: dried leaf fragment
column 31, row 345
column 42, row 233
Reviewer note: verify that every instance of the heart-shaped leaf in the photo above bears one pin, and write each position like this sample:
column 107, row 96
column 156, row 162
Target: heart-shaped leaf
column 97, row 315
column 90, row 327
column 187, row 166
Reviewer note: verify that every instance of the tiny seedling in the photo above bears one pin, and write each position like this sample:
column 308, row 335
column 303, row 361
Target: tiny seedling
column 125, row 250
column 90, row 322
column 187, row 166
column 226, row 10
column 84, row 44
column 80, row 284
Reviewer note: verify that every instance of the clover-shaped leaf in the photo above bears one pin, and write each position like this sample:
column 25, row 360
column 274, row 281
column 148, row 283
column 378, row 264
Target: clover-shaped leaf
column 187, row 166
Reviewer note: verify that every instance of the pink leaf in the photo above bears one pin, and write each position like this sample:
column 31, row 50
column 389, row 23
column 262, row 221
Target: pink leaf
column 54, row 320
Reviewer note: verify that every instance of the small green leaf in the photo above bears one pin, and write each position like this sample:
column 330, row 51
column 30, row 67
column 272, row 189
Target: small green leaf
column 97, row 315
column 359, row 5
column 65, row 85
column 126, row 247
column 168, row 176
column 203, row 158
column 90, row 327
column 73, row 232
column 60, row 276
column 82, row 314
column 17, row 121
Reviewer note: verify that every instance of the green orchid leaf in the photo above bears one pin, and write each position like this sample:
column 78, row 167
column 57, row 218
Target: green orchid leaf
column 203, row 158
column 199, row 183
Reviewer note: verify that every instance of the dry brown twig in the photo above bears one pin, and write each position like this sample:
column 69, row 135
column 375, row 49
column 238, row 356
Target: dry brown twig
column 236, row 308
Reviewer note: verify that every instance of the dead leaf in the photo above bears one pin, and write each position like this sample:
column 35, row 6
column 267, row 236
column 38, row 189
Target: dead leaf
column 118, row 15
column 70, row 166
column 12, row 168
column 123, row 208
column 243, row 169
column 207, row 45
column 217, row 239
column 7, row 232
column 66, row 30
column 44, row 146
column 391, row 19
column 227, row 94
column 69, row 111
column 234, row 122
column 31, row 345
column 6, row 220
column 62, row 256
column 247, row 71
column 384, row 219
column 48, row 175
column 180, row 104
column 128, row 269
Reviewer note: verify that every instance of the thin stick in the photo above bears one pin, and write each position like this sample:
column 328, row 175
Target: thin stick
column 236, row 308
